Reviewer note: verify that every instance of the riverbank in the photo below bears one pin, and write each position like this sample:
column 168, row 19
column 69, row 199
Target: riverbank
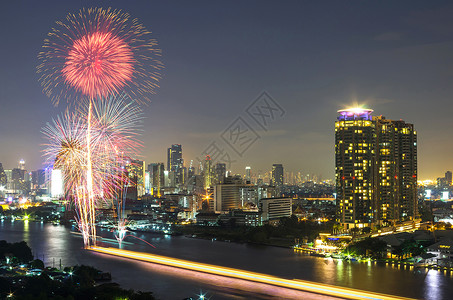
column 284, row 235
column 23, row 277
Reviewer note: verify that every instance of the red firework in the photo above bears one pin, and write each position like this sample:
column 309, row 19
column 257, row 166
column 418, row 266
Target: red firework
column 98, row 64
column 97, row 53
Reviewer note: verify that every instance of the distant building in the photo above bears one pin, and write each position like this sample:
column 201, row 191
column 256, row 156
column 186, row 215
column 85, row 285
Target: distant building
column 175, row 164
column 3, row 178
column 248, row 174
column 448, row 177
column 136, row 173
column 158, row 179
column 239, row 217
column 272, row 209
column 22, row 164
column 220, row 173
column 375, row 169
column 38, row 178
column 443, row 252
column 208, row 173
column 277, row 177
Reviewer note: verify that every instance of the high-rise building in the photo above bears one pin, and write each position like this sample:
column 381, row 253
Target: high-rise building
column 3, row 178
column 158, row 179
column 190, row 172
column 136, row 173
column 375, row 169
column 220, row 173
column 22, row 164
column 277, row 177
column 18, row 180
column 208, row 172
column 38, row 178
column 175, row 164
column 448, row 177
column 248, row 174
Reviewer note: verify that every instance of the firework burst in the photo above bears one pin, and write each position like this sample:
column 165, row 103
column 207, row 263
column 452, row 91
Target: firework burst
column 98, row 53
column 115, row 126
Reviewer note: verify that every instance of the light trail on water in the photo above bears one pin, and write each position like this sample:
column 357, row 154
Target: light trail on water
column 297, row 284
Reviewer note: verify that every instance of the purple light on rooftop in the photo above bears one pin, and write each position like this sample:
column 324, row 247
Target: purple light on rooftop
column 356, row 113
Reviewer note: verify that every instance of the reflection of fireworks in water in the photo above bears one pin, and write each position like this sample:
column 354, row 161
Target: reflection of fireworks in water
column 96, row 54
column 99, row 52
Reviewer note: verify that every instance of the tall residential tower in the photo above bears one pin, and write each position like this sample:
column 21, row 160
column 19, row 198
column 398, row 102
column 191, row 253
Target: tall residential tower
column 375, row 169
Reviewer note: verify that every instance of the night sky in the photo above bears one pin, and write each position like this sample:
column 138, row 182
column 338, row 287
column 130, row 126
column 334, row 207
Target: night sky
column 312, row 57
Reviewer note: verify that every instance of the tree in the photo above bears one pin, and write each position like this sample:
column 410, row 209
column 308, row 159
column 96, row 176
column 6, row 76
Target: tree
column 366, row 230
column 355, row 231
column 372, row 247
column 37, row 264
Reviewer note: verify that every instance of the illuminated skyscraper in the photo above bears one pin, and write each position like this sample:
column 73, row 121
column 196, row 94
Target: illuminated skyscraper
column 277, row 177
column 220, row 172
column 158, row 179
column 136, row 173
column 22, row 164
column 248, row 175
column 448, row 177
column 3, row 179
column 208, row 173
column 175, row 164
column 375, row 169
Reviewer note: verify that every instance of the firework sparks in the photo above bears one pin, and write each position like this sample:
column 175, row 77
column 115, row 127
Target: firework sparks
column 97, row 53
column 109, row 131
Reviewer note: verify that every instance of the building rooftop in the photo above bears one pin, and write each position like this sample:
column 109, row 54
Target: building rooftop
column 355, row 113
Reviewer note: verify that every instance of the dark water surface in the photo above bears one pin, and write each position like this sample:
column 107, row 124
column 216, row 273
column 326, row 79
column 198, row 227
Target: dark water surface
column 55, row 243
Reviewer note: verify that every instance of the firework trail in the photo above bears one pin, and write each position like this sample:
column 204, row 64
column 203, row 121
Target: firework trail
column 113, row 133
column 96, row 54
column 66, row 150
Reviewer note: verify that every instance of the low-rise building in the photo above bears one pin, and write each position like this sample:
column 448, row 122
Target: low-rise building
column 272, row 209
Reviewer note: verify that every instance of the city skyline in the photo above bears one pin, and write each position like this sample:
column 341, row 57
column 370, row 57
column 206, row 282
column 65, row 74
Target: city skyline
column 201, row 93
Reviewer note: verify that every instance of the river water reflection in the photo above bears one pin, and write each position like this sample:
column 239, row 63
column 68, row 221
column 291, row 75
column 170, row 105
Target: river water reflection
column 55, row 243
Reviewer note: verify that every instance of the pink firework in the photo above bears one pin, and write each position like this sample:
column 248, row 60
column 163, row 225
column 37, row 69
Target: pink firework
column 98, row 64
column 98, row 53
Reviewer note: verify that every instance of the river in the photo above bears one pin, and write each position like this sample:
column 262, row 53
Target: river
column 54, row 243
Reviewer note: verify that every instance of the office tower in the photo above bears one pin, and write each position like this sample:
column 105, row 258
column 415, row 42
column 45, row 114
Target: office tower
column 220, row 173
column 175, row 164
column 208, row 172
column 38, row 178
column 448, row 177
column 190, row 172
column 277, row 177
column 147, row 182
column 375, row 169
column 136, row 174
column 18, row 180
column 272, row 209
column 57, row 186
column 22, row 164
column 3, row 178
column 248, row 175
column 158, row 179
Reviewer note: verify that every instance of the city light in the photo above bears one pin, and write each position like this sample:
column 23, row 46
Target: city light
column 56, row 183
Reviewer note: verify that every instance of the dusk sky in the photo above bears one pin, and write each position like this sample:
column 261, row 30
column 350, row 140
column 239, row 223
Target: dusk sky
column 312, row 57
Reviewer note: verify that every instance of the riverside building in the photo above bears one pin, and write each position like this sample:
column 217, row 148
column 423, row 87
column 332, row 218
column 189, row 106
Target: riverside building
column 375, row 169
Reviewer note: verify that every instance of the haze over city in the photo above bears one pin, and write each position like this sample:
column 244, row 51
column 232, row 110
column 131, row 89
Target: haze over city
column 312, row 58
